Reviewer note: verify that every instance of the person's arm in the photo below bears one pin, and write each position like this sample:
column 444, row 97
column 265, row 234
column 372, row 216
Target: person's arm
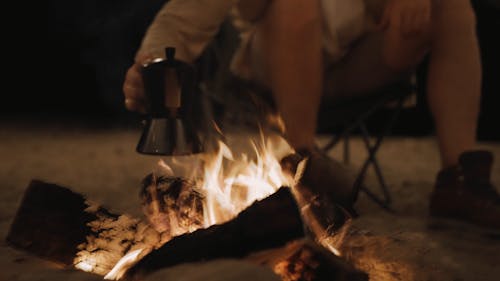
column 188, row 26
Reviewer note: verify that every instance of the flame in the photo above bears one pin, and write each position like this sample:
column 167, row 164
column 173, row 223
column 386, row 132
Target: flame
column 122, row 265
column 231, row 180
column 87, row 265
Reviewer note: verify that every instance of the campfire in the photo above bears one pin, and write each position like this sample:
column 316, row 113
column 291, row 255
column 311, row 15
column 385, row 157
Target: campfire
column 237, row 203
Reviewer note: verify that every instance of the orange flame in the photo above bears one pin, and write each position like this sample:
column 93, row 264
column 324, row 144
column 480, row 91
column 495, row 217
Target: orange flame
column 231, row 180
column 122, row 265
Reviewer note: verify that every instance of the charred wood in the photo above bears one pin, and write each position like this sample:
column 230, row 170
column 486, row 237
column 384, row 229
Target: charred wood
column 268, row 223
column 305, row 260
column 172, row 205
column 51, row 222
column 60, row 225
column 272, row 226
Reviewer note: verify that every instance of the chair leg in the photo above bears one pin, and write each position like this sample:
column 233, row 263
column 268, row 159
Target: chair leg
column 347, row 158
column 385, row 200
column 338, row 137
column 371, row 160
column 332, row 143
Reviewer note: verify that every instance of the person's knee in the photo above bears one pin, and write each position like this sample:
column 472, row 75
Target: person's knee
column 252, row 10
column 294, row 14
column 453, row 17
column 401, row 53
column 450, row 18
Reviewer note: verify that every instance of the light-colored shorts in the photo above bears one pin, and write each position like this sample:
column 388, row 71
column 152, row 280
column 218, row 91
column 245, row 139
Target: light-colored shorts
column 353, row 50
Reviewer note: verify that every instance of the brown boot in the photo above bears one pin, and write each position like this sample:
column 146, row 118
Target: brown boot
column 464, row 192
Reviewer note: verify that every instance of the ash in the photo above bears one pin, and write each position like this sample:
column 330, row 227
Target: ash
column 114, row 237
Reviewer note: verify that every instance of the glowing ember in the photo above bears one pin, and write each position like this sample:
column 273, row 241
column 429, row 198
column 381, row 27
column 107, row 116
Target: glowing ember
column 87, row 264
column 227, row 182
column 122, row 265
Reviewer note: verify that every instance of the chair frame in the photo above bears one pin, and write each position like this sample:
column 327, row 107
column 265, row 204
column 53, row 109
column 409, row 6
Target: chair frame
column 372, row 147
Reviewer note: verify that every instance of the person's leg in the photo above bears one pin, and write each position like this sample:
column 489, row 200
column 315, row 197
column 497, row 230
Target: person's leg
column 288, row 50
column 463, row 189
column 284, row 64
column 454, row 78
column 453, row 83
column 363, row 70
column 454, row 74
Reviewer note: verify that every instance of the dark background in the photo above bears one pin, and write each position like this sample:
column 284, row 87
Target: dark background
column 68, row 60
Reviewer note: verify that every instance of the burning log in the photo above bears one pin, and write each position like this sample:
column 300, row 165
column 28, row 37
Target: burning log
column 305, row 260
column 59, row 225
column 172, row 205
column 269, row 223
column 51, row 222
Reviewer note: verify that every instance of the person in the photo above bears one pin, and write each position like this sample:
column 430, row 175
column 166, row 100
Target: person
column 304, row 51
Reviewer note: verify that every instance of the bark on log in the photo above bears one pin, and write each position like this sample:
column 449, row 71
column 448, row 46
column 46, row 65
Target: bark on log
column 50, row 222
column 60, row 225
column 57, row 224
column 305, row 260
column 172, row 205
column 269, row 223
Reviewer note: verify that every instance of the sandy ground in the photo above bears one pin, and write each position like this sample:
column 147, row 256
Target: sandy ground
column 103, row 165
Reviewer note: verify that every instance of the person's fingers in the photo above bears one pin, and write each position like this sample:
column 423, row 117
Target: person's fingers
column 415, row 25
column 135, row 105
column 406, row 20
column 133, row 86
column 133, row 90
column 142, row 58
column 421, row 20
column 134, row 98
column 397, row 19
column 426, row 16
column 385, row 20
column 420, row 24
column 134, row 76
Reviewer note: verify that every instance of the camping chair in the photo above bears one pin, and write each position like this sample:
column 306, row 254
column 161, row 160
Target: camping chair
column 340, row 119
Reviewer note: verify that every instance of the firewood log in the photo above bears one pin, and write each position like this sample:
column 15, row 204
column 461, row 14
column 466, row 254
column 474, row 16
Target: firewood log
column 273, row 223
column 268, row 223
column 57, row 224
column 51, row 222
column 60, row 225
column 305, row 260
column 172, row 205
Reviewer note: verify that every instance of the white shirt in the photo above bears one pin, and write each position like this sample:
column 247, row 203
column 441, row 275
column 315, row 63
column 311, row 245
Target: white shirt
column 189, row 25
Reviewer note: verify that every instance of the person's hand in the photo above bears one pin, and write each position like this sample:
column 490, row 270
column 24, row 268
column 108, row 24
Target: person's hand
column 407, row 16
column 133, row 86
